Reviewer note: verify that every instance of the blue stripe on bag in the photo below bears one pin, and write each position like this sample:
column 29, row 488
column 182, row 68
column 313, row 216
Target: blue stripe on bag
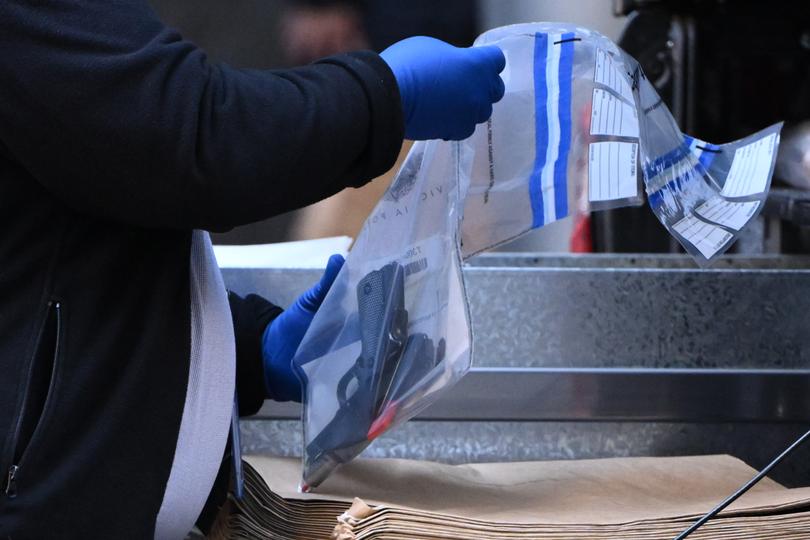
column 705, row 153
column 667, row 160
column 678, row 184
column 540, row 129
column 564, row 112
column 707, row 156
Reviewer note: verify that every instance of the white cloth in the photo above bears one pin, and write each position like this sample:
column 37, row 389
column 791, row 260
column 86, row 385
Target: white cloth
column 209, row 397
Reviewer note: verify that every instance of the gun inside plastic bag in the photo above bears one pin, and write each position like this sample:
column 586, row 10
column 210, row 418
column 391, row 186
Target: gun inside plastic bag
column 390, row 360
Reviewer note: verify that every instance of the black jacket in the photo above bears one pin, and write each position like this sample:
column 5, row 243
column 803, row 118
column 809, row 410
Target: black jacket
column 117, row 139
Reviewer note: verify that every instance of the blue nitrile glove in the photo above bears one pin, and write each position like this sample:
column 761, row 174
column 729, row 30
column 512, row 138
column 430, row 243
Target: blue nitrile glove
column 283, row 336
column 445, row 90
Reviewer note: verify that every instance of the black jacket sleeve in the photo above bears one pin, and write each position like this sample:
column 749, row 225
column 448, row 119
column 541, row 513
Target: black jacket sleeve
column 121, row 118
column 251, row 315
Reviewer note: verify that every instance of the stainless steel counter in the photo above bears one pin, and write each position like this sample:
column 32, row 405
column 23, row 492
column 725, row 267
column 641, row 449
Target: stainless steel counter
column 589, row 356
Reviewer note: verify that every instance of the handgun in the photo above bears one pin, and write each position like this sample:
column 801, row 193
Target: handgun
column 383, row 332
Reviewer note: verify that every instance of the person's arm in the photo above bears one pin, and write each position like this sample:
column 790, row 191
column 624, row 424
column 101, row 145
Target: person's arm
column 119, row 117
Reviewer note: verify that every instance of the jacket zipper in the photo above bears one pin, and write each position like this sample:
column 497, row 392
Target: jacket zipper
column 11, row 482
column 10, row 488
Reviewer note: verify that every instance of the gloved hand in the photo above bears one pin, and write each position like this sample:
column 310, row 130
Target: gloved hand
column 282, row 337
column 445, row 90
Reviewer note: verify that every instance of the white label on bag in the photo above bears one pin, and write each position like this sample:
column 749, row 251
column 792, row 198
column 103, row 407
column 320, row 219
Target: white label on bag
column 707, row 238
column 729, row 214
column 607, row 72
column 612, row 116
column 749, row 169
column 612, row 171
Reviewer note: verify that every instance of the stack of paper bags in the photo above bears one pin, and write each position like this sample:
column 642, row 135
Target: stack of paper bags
column 627, row 498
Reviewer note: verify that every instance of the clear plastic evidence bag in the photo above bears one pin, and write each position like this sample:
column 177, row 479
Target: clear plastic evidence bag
column 580, row 128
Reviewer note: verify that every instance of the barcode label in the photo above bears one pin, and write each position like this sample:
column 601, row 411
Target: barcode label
column 416, row 266
column 749, row 170
column 612, row 171
column 607, row 72
column 708, row 239
column 729, row 214
column 612, row 116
